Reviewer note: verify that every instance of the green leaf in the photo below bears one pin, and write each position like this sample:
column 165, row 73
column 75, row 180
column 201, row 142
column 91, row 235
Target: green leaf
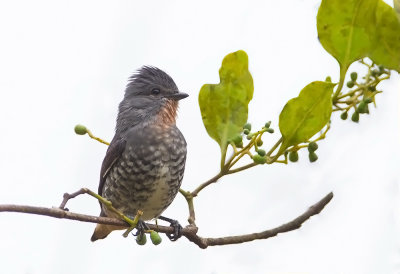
column 354, row 29
column 224, row 106
column 346, row 29
column 304, row 116
column 386, row 50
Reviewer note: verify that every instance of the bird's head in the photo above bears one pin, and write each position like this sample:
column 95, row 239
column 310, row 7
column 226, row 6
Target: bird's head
column 150, row 96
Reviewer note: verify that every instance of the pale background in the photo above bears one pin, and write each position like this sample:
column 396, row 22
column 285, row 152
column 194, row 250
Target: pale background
column 67, row 62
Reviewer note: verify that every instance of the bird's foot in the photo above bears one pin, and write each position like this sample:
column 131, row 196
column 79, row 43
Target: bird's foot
column 141, row 228
column 177, row 228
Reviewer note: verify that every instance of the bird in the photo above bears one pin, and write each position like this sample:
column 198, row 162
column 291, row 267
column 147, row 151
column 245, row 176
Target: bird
column 144, row 164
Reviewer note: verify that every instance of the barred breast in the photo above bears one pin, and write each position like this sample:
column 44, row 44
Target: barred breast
column 149, row 174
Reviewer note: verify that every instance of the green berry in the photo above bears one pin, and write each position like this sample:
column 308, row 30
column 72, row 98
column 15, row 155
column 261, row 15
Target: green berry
column 261, row 152
column 353, row 76
column 259, row 142
column 268, row 124
column 80, row 130
column 141, row 239
column 362, row 107
column 247, row 126
column 240, row 145
column 368, row 100
column 246, row 131
column 313, row 146
column 355, row 117
column 328, row 79
column 155, row 238
column 375, row 72
column 350, row 84
column 258, row 159
column 344, row 115
column 312, row 156
column 270, row 130
column 293, row 156
column 237, row 139
column 371, row 88
column 248, row 137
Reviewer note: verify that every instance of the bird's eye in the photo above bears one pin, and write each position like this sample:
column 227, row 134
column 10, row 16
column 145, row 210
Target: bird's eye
column 155, row 91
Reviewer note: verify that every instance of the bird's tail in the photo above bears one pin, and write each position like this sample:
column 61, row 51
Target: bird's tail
column 101, row 231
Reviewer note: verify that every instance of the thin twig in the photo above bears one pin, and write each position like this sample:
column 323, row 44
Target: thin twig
column 203, row 185
column 189, row 199
column 68, row 196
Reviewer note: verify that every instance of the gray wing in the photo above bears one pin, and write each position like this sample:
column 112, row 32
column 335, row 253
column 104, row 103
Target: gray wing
column 114, row 152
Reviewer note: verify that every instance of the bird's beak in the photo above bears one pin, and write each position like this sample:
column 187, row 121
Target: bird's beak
column 177, row 96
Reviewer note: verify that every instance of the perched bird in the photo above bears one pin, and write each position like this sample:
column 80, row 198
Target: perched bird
column 144, row 164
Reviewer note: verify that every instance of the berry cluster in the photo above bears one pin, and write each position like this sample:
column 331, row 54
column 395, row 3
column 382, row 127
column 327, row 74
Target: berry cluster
column 362, row 93
column 312, row 156
column 255, row 140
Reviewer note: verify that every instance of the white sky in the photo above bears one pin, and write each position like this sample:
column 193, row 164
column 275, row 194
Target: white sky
column 67, row 62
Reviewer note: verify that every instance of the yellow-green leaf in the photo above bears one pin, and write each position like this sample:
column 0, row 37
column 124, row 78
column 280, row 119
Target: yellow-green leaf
column 224, row 106
column 354, row 29
column 304, row 116
column 386, row 50
column 346, row 29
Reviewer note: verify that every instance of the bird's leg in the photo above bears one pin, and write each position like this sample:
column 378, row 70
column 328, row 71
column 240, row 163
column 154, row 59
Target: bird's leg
column 177, row 228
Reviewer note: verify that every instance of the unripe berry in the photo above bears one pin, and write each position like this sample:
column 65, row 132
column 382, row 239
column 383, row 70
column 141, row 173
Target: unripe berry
column 375, row 72
column 259, row 142
column 312, row 157
column 362, row 107
column 371, row 88
column 155, row 238
column 350, row 84
column 258, row 159
column 268, row 124
column 313, row 146
column 261, row 152
column 237, row 139
column 355, row 117
column 270, row 130
column 247, row 126
column 141, row 239
column 353, row 76
column 368, row 100
column 293, row 156
column 344, row 115
column 80, row 130
column 328, row 79
column 246, row 131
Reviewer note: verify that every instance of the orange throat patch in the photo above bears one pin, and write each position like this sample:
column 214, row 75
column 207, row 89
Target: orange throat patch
column 167, row 114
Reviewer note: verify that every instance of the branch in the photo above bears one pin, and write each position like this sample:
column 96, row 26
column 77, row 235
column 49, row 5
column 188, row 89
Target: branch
column 207, row 183
column 190, row 232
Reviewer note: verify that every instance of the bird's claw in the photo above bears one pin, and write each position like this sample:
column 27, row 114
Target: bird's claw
column 141, row 227
column 177, row 231
column 177, row 228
